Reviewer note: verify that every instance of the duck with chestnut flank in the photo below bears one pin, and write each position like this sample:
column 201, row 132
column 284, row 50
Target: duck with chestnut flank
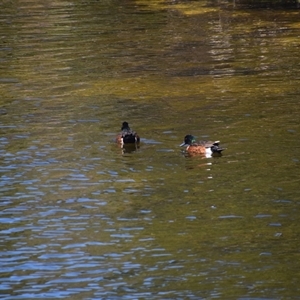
column 204, row 148
column 127, row 136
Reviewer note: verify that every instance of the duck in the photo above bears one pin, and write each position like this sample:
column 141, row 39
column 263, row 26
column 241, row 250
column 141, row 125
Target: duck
column 207, row 149
column 127, row 136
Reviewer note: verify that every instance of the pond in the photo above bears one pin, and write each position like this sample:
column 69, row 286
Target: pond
column 82, row 219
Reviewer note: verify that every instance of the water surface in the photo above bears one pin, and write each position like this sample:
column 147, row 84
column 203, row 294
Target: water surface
column 81, row 219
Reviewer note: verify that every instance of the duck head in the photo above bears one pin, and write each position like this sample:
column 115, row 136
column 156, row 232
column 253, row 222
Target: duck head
column 188, row 140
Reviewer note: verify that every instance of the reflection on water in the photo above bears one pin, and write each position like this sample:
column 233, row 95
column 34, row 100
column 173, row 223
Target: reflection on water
column 82, row 218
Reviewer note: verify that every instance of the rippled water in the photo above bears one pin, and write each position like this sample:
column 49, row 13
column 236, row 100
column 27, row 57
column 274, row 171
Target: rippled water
column 80, row 218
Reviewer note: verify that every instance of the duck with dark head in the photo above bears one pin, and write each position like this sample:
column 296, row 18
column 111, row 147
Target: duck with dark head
column 203, row 148
column 127, row 136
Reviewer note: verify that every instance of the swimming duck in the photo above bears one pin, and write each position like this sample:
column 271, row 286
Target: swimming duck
column 207, row 149
column 127, row 136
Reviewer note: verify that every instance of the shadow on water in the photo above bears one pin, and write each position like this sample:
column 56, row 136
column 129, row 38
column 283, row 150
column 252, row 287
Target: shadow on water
column 259, row 4
column 80, row 217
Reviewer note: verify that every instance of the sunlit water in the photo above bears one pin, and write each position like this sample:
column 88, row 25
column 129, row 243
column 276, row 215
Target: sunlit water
column 81, row 219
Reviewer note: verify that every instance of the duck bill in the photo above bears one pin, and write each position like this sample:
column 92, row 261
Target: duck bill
column 183, row 144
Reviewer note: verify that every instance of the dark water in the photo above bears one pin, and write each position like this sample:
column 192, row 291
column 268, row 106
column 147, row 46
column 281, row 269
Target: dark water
column 80, row 219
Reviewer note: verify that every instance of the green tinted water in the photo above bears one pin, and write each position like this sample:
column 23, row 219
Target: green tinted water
column 80, row 219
